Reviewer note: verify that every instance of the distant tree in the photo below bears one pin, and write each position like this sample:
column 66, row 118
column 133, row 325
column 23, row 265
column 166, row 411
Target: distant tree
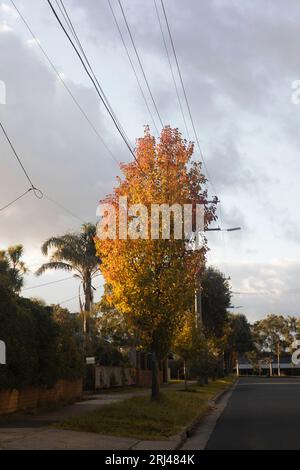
column 237, row 339
column 215, row 301
column 75, row 252
column 4, row 268
column 12, row 268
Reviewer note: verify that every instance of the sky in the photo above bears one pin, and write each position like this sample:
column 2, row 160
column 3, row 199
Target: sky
column 238, row 62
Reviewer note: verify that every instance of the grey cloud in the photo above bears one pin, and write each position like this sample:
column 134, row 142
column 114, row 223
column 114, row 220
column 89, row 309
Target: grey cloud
column 59, row 149
column 229, row 168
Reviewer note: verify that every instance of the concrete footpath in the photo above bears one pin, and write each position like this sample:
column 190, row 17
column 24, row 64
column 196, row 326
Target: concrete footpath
column 35, row 431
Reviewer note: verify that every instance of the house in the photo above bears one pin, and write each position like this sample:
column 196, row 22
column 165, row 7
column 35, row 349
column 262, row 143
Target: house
column 267, row 367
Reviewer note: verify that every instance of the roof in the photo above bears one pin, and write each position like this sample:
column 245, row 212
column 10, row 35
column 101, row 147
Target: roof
column 283, row 365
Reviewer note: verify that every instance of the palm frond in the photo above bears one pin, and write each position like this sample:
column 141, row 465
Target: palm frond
column 53, row 242
column 53, row 265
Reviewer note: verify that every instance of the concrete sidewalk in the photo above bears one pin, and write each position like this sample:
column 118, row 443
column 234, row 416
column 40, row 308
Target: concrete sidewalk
column 56, row 439
column 35, row 431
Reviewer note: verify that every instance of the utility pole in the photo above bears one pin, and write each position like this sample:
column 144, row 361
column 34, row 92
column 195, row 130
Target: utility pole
column 198, row 306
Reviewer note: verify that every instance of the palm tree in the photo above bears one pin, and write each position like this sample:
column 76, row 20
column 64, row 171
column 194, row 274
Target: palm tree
column 75, row 252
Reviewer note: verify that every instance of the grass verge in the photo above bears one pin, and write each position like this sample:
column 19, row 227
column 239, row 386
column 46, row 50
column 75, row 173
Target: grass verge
column 141, row 418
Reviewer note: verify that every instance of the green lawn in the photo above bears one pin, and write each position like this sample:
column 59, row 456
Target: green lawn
column 141, row 418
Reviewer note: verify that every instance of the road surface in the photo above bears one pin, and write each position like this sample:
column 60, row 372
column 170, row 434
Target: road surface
column 262, row 413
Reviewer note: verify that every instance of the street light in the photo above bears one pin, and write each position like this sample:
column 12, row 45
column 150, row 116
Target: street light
column 219, row 229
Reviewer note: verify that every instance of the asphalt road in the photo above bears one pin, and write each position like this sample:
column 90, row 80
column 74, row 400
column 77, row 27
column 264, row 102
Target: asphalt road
column 262, row 413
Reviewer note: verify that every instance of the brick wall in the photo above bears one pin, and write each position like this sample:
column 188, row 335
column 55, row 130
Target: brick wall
column 33, row 398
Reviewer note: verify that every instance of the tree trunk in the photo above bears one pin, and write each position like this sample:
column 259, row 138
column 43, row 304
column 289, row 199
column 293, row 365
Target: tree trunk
column 278, row 360
column 87, row 287
column 155, row 381
column 200, row 381
column 88, row 297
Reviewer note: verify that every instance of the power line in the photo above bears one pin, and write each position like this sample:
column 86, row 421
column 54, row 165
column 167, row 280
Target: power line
column 48, row 283
column 68, row 21
column 65, row 84
column 73, row 298
column 140, row 63
column 68, row 300
column 37, row 192
column 33, row 188
column 94, row 82
column 58, row 204
column 185, row 95
column 188, row 107
column 171, row 68
column 15, row 200
column 132, row 66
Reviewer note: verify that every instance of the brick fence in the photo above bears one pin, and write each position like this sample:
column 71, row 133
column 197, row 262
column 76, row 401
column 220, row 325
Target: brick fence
column 33, row 398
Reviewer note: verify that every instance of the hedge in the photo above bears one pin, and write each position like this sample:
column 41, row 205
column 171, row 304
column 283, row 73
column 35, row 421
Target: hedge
column 41, row 343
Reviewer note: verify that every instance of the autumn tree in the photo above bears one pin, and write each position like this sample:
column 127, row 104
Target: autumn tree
column 153, row 279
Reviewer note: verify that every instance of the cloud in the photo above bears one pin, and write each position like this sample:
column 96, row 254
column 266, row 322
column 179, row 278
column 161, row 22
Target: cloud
column 266, row 288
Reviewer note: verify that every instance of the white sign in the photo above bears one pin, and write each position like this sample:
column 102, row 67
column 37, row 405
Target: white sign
column 2, row 92
column 2, row 352
column 90, row 360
